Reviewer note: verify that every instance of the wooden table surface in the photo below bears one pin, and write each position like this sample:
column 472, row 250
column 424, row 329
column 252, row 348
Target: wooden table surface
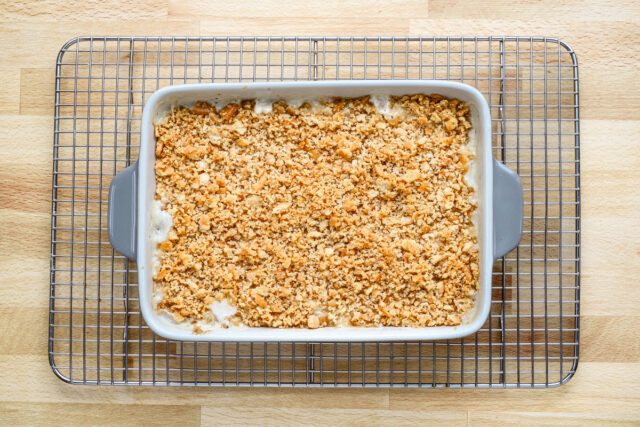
column 606, row 387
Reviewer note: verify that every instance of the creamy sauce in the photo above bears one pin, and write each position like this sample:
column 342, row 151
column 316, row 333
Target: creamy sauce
column 472, row 176
column 219, row 316
column 161, row 223
column 265, row 105
column 222, row 311
column 383, row 105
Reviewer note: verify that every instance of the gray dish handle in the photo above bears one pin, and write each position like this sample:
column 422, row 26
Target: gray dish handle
column 507, row 209
column 122, row 211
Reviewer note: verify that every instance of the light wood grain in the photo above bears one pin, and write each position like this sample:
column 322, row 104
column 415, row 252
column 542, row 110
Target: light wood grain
column 492, row 418
column 606, row 388
column 334, row 417
column 15, row 413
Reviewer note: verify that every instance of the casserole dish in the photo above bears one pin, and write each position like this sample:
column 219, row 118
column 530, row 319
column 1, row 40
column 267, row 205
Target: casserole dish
column 498, row 191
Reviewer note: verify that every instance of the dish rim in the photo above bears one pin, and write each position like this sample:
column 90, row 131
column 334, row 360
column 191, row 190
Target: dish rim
column 184, row 94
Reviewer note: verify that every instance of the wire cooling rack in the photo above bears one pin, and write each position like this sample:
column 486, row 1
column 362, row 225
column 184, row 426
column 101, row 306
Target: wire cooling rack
column 97, row 335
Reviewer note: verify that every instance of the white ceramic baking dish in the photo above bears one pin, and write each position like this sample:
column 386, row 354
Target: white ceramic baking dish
column 499, row 194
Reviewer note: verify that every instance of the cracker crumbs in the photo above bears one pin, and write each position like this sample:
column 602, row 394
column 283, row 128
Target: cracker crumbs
column 331, row 215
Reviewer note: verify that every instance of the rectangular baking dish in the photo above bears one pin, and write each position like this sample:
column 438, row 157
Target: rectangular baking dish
column 498, row 189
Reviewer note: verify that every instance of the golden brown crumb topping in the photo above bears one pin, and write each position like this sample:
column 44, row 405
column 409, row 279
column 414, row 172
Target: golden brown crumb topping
column 318, row 215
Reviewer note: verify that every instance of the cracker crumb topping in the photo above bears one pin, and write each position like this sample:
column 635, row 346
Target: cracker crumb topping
column 307, row 217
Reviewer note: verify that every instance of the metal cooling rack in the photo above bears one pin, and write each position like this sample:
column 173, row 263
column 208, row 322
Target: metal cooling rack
column 97, row 335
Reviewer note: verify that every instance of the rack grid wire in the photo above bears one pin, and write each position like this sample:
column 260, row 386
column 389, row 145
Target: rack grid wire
column 97, row 335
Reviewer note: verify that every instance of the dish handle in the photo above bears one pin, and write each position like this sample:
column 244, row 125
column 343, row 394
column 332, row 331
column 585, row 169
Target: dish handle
column 122, row 211
column 507, row 209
